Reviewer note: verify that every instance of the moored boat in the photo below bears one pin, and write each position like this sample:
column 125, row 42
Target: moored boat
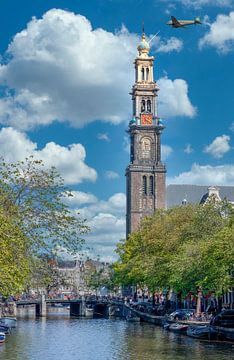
column 2, row 337
column 133, row 318
column 201, row 332
column 8, row 321
column 180, row 328
column 4, row 329
column 224, row 333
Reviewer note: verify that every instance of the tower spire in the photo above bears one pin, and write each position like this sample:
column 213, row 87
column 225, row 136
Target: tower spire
column 145, row 174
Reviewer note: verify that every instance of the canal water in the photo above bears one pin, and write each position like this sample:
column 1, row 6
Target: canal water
column 57, row 338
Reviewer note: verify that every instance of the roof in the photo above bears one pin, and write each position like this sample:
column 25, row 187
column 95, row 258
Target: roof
column 193, row 194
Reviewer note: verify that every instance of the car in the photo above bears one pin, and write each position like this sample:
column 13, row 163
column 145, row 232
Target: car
column 181, row 314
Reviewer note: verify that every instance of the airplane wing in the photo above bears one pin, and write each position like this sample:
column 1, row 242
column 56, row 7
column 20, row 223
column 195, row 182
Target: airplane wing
column 175, row 22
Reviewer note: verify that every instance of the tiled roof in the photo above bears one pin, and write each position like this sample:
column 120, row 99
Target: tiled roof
column 194, row 193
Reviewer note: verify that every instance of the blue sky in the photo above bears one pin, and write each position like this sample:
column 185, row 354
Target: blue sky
column 66, row 72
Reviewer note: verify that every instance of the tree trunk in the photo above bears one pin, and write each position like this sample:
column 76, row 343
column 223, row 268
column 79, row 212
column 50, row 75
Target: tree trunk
column 199, row 302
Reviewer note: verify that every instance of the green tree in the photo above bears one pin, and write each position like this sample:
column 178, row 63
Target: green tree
column 182, row 248
column 40, row 194
column 34, row 197
column 14, row 263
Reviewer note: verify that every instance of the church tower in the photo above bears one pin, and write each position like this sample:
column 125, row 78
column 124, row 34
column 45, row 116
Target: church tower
column 145, row 174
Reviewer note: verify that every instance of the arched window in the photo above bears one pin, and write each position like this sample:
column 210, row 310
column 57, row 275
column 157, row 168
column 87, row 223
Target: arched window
column 142, row 105
column 151, row 185
column 144, row 185
column 147, row 74
column 142, row 74
column 148, row 105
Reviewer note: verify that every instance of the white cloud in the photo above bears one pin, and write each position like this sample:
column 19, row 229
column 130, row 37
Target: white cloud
column 197, row 4
column 166, row 151
column 116, row 204
column 103, row 136
column 70, row 161
column 107, row 222
column 219, row 146
column 162, row 45
column 80, row 198
column 55, row 71
column 109, row 174
column 221, row 34
column 58, row 72
column 173, row 98
column 205, row 175
column 126, row 144
column 201, row 3
column 172, row 44
column 188, row 149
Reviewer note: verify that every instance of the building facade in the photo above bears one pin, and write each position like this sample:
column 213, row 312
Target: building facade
column 145, row 175
column 183, row 194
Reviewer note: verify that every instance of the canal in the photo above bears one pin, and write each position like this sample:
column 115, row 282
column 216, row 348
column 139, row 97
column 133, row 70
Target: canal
column 57, row 338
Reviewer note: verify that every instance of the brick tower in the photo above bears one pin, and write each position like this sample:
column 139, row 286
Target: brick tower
column 145, row 174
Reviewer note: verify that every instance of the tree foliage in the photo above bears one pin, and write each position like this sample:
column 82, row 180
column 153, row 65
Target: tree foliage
column 14, row 262
column 33, row 198
column 182, row 248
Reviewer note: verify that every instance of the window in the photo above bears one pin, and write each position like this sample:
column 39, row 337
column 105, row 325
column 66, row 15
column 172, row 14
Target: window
column 144, row 185
column 147, row 74
column 142, row 74
column 142, row 105
column 151, row 185
column 148, row 105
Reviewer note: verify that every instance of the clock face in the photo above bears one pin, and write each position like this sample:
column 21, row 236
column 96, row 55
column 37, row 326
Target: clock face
column 146, row 119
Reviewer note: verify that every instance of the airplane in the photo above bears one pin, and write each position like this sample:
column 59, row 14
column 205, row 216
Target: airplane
column 182, row 23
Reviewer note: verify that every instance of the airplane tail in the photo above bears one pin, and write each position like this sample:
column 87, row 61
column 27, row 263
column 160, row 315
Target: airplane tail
column 197, row 20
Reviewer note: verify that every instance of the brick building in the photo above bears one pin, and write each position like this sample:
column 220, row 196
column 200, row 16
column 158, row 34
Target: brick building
column 145, row 175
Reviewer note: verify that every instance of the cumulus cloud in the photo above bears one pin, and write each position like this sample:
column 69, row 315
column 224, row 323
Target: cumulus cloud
column 201, row 3
column 110, row 174
column 70, row 161
column 54, row 70
column 188, row 149
column 220, row 34
column 164, row 45
column 172, row 44
column 166, row 151
column 205, row 175
column 173, row 99
column 107, row 223
column 197, row 4
column 218, row 147
column 78, row 198
column 103, row 136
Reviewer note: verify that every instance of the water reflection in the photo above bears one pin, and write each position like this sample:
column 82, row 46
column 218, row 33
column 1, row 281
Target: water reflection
column 68, row 339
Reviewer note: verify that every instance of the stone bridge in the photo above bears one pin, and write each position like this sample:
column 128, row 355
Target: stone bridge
column 77, row 307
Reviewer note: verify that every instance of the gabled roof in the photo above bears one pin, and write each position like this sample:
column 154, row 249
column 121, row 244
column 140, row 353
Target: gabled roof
column 194, row 194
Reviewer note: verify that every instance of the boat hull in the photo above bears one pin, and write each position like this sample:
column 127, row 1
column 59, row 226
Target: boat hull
column 2, row 337
column 178, row 328
column 201, row 332
column 10, row 322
